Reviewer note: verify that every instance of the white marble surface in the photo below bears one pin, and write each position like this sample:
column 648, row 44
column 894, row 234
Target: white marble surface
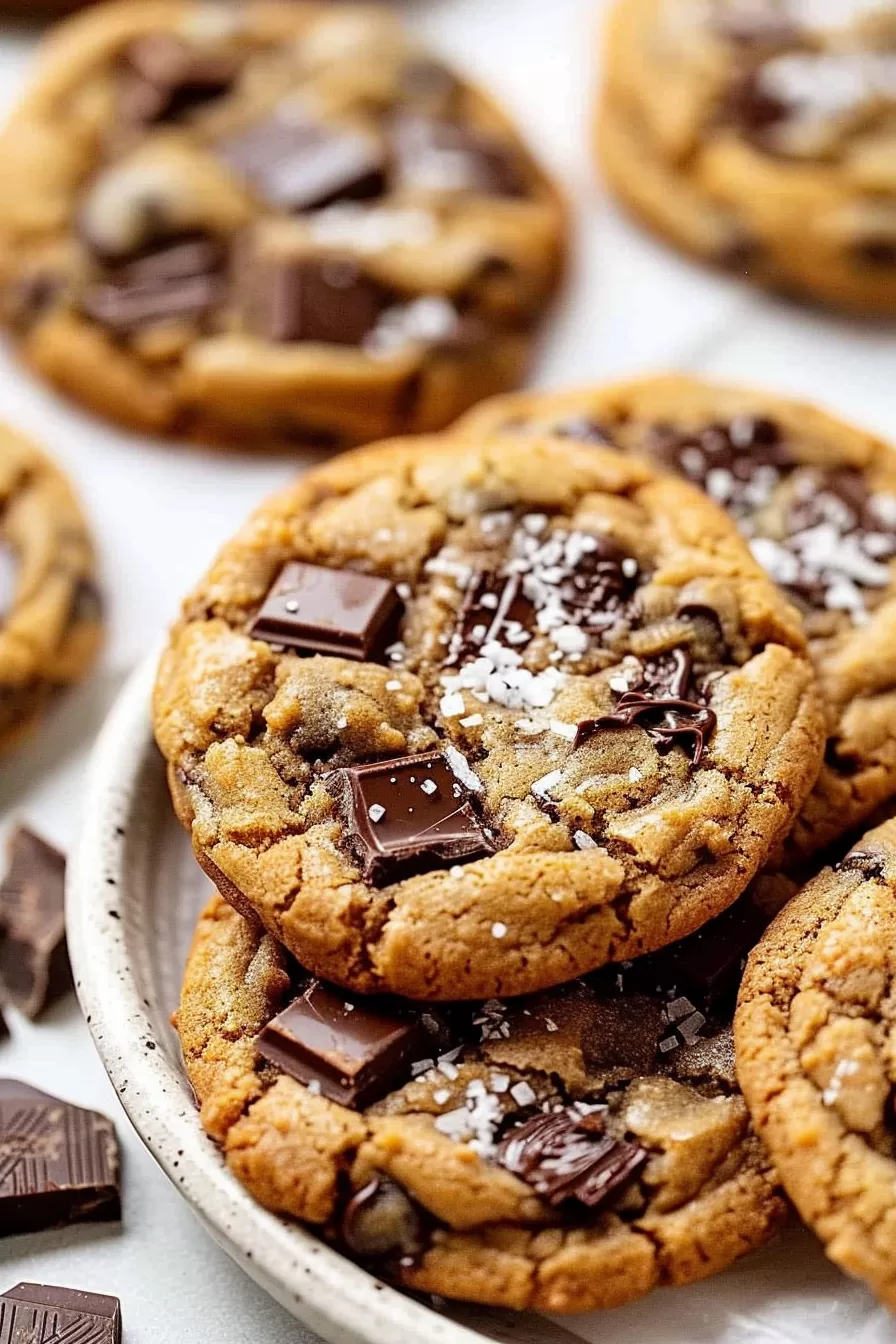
column 160, row 512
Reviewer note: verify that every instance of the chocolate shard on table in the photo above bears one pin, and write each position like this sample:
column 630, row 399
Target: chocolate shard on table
column 312, row 609
column 34, row 965
column 330, row 301
column 351, row 1050
column 296, row 163
column 38, row 1313
column 406, row 816
column 570, row 1156
column 58, row 1163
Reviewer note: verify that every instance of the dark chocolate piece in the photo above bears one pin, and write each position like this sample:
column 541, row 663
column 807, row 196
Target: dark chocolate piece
column 738, row 464
column 35, row 1313
column 585, row 430
column 566, row 1155
column 331, row 611
column 406, row 816
column 381, row 1221
column 58, row 1163
column 353, row 1051
column 183, row 280
column 34, row 966
column 861, row 861
column 296, row 163
column 436, row 155
column 312, row 299
column 164, row 77
column 493, row 607
column 661, row 707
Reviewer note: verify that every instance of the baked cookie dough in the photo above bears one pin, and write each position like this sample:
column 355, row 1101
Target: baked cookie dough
column 268, row 224
column 815, row 1032
column 816, row 500
column 555, row 715
column 761, row 135
column 50, row 610
column 563, row 1153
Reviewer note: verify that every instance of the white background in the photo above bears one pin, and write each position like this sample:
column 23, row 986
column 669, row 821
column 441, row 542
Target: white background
column 160, row 511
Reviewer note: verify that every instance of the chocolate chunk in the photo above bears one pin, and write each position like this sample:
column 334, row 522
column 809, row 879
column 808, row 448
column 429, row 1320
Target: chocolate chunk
column 436, row 155
column 58, row 1163
column 381, row 1221
column 308, row 299
column 353, row 1051
column 180, row 281
column 163, row 77
column 661, row 708
column 34, row 967
column 406, row 816
column 331, row 611
column 494, row 607
column 296, row 163
column 566, row 1156
column 861, row 861
column 33, row 1312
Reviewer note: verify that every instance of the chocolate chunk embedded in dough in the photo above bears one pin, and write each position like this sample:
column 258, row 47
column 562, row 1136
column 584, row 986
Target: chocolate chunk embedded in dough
column 313, row 609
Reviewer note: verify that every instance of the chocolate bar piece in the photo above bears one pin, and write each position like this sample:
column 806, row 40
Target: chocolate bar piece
column 58, row 1163
column 565, row 1155
column 34, row 966
column 406, row 815
column 180, row 281
column 334, row 611
column 353, row 1051
column 33, row 1312
column 329, row 301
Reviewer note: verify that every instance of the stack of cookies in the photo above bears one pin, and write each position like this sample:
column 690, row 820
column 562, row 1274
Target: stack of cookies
column 502, row 748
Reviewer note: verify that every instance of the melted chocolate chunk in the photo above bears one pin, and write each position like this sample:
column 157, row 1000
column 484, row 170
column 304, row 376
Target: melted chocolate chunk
column 164, row 78
column 296, row 163
column 436, row 155
column 406, row 816
column 661, row 707
column 310, row 299
column 183, row 280
column 738, row 465
column 381, row 1222
column 861, row 861
column 566, row 1156
column 34, row 966
column 33, row 1312
column 352, row 1050
column 58, row 1163
column 311, row 609
column 493, row 607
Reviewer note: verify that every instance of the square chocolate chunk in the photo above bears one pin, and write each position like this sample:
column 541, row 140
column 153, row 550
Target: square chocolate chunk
column 352, row 1051
column 334, row 611
column 35, row 1311
column 406, row 816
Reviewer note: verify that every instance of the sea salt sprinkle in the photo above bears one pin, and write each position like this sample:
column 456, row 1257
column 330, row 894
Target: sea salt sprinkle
column 845, row 1069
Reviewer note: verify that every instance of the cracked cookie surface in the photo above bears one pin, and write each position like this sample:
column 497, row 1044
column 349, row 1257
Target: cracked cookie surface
column 50, row 608
column 573, row 1151
column 815, row 1031
column 594, row 721
column 761, row 137
column 815, row 499
column 268, row 224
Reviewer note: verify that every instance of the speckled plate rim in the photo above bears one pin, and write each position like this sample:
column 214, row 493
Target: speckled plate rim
column 315, row 1283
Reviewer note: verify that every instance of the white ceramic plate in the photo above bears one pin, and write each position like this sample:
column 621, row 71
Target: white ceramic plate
column 133, row 896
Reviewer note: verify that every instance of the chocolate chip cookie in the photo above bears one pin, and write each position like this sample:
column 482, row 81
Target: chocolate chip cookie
column 815, row 1032
column 462, row 716
column 761, row 135
column 565, row 1152
column 268, row 224
column 50, row 610
column 816, row 500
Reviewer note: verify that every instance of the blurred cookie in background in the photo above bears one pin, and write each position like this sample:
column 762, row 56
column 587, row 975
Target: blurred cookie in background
column 50, row 607
column 761, row 136
column 268, row 224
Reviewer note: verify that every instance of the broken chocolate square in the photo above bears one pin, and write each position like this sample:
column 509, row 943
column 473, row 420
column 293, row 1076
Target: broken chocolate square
column 34, row 966
column 58, row 1163
column 566, row 1155
column 340, row 612
column 36, row 1311
column 311, row 299
column 296, row 163
column 406, row 816
column 353, row 1051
